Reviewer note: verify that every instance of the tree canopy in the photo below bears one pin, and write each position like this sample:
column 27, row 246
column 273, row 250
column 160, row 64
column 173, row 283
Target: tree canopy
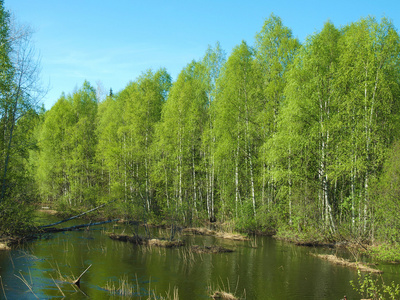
column 276, row 136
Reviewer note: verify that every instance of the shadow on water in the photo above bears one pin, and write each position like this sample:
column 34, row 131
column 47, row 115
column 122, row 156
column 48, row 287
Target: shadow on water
column 262, row 268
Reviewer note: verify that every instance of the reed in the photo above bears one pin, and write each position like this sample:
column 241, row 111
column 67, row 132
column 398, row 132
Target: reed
column 22, row 278
column 2, row 287
column 62, row 293
column 132, row 290
column 12, row 261
column 224, row 293
column 187, row 256
column 253, row 242
column 124, row 288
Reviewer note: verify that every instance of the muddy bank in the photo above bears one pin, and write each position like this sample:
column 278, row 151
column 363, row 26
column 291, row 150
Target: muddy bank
column 139, row 240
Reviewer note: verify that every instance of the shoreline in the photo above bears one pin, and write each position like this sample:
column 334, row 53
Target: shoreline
column 286, row 236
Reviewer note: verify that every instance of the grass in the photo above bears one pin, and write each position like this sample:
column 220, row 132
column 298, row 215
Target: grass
column 223, row 293
column 138, row 240
column 2, row 287
column 132, row 290
column 346, row 263
column 22, row 278
column 124, row 288
column 187, row 256
column 4, row 246
column 210, row 249
column 219, row 234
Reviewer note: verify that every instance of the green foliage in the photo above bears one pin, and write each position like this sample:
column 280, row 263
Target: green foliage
column 16, row 218
column 67, row 149
column 280, row 137
column 371, row 287
column 386, row 251
column 386, row 195
column 18, row 118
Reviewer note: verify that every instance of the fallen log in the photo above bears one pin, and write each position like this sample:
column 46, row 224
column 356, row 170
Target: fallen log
column 77, row 216
column 76, row 227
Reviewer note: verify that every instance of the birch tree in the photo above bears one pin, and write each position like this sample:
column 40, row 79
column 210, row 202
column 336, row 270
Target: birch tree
column 275, row 49
column 368, row 82
column 179, row 143
column 237, row 107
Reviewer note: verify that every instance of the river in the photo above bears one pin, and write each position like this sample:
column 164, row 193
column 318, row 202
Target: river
column 263, row 268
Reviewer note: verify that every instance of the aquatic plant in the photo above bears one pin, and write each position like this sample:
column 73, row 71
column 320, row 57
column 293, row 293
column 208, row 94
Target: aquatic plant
column 131, row 290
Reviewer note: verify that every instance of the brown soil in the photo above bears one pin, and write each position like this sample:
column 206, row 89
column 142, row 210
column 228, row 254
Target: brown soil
column 210, row 249
column 343, row 262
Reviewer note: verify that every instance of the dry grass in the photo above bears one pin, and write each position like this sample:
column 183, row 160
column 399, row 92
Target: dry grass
column 210, row 249
column 343, row 262
column 124, row 288
column 165, row 243
column 223, row 295
column 223, row 235
column 4, row 246
column 199, row 231
column 223, row 292
column 138, row 240
column 47, row 210
column 232, row 236
column 131, row 290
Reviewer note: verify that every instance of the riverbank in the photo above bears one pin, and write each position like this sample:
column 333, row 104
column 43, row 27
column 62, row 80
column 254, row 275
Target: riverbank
column 311, row 238
column 268, row 257
column 8, row 242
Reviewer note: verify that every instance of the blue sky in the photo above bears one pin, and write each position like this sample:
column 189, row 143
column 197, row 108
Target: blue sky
column 113, row 42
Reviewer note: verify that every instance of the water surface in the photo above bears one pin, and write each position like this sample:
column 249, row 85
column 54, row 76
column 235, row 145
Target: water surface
column 261, row 269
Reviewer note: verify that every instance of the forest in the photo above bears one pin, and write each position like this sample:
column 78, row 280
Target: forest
column 295, row 139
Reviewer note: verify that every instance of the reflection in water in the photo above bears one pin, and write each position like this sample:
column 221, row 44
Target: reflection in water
column 271, row 270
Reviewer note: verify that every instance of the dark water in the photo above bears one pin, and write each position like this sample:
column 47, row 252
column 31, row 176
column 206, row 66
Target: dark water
column 271, row 270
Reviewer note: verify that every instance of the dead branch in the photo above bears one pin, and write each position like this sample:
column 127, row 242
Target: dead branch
column 76, row 227
column 78, row 280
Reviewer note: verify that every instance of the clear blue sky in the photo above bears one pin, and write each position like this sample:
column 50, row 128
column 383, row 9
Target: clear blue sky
column 115, row 41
